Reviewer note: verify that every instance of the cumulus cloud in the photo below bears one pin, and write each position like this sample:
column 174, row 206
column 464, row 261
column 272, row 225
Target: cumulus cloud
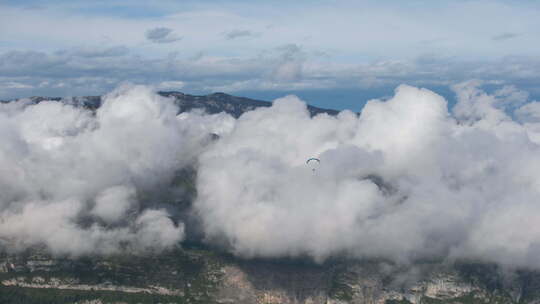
column 404, row 180
column 290, row 64
column 162, row 35
column 529, row 112
column 80, row 182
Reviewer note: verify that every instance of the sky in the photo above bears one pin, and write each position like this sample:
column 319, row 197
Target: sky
column 334, row 54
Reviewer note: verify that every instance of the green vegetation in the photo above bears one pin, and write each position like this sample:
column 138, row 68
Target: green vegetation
column 14, row 295
column 485, row 275
column 402, row 301
column 196, row 272
column 471, row 298
column 530, row 285
column 339, row 288
column 186, row 179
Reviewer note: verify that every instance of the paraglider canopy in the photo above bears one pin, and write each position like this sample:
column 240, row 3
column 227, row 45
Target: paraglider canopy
column 313, row 163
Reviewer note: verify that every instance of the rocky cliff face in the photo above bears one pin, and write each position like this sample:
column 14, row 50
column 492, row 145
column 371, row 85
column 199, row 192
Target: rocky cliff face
column 204, row 276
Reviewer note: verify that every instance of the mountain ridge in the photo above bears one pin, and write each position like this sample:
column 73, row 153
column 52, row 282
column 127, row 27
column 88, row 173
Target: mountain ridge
column 211, row 103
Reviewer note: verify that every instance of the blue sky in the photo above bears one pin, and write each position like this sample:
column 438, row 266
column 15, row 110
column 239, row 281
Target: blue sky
column 335, row 54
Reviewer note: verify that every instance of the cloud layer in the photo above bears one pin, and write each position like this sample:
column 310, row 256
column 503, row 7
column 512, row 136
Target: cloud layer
column 80, row 182
column 405, row 180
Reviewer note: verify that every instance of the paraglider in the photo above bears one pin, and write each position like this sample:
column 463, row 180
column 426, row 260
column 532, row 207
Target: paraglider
column 313, row 163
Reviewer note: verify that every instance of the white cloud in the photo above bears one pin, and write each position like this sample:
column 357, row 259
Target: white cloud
column 83, row 183
column 174, row 84
column 14, row 85
column 529, row 112
column 113, row 203
column 405, row 180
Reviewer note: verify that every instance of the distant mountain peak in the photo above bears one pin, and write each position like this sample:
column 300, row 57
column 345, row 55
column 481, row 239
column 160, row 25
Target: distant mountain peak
column 212, row 103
